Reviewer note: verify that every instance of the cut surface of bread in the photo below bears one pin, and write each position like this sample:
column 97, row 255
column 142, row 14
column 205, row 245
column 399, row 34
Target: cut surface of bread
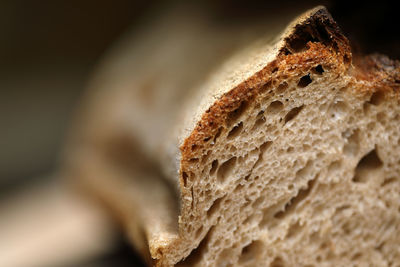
column 292, row 158
column 305, row 173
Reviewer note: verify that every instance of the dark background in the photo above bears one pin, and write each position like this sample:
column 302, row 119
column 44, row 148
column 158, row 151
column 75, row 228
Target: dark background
column 48, row 50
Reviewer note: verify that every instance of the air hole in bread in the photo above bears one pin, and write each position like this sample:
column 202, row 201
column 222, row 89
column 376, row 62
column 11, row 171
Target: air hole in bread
column 334, row 171
column 318, row 258
column 295, row 201
column 251, row 251
column 275, row 107
column 377, row 98
column 322, row 34
column 352, row 146
column 260, row 120
column 324, row 245
column 260, row 114
column 366, row 107
column 305, row 171
column 347, row 228
column 323, row 106
column 266, row 86
column 214, row 167
column 226, row 169
column 334, row 166
column 282, row 87
column 263, row 148
column 250, row 219
column 370, row 127
column 304, row 35
column 293, row 230
column 198, row 232
column 207, row 139
column 217, row 134
column 277, row 262
column 304, row 81
column 342, row 208
column 206, row 157
column 225, row 257
column 338, row 110
column 238, row 188
column 293, row 113
column 184, row 178
column 319, row 70
column 258, row 202
column 235, row 115
column 274, row 66
column 306, row 147
column 356, row 256
column 235, row 130
column 380, row 247
column 381, row 117
column 215, row 206
column 194, row 160
column 255, row 178
column 268, row 220
column 368, row 167
column 388, row 181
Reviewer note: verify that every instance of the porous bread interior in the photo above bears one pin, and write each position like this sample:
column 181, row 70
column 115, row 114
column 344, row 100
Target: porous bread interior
column 306, row 173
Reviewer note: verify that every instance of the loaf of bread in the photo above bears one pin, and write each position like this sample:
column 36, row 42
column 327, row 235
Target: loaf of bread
column 287, row 154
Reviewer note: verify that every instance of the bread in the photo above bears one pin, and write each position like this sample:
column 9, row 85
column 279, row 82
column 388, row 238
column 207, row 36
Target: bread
column 287, row 155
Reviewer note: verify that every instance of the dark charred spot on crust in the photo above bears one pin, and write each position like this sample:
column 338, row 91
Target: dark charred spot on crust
column 318, row 28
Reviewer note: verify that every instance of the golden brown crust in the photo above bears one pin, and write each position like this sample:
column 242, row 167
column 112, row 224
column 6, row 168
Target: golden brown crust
column 320, row 28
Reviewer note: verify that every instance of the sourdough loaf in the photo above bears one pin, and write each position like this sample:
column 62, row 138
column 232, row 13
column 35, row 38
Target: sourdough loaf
column 288, row 154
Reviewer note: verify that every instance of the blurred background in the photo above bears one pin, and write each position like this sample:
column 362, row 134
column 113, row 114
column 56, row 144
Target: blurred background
column 48, row 50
